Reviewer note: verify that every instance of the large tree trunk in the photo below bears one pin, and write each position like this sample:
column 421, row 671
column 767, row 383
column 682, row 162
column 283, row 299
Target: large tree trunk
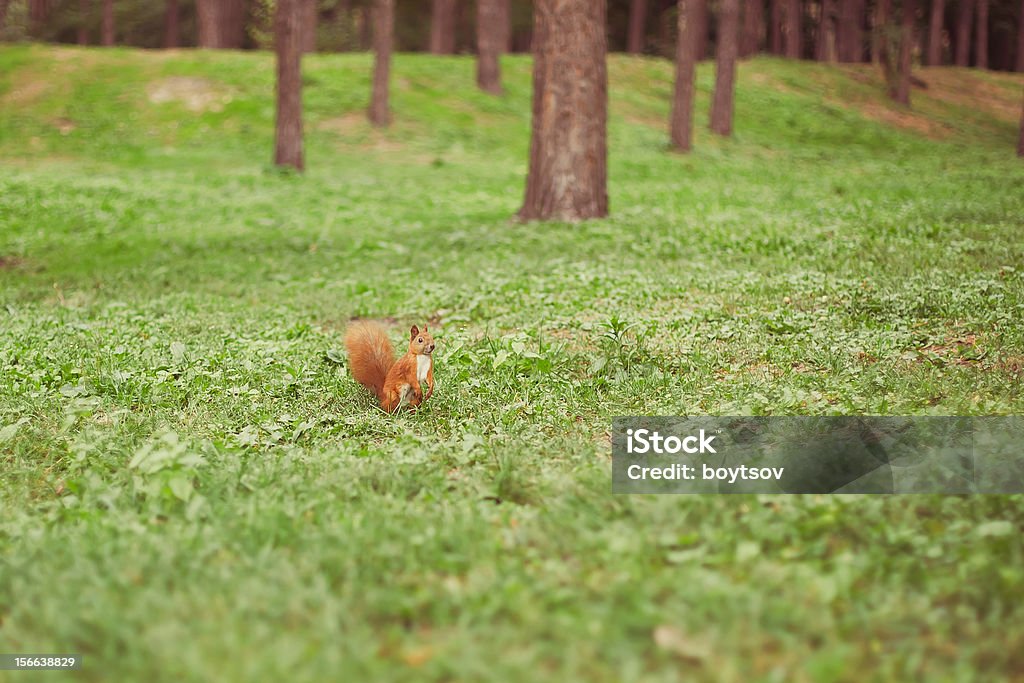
column 981, row 40
column 753, row 28
column 308, row 15
column 83, row 21
column 725, row 67
column 775, row 30
column 1020, row 38
column 442, row 27
column 902, row 91
column 850, row 34
column 681, row 118
column 793, row 38
column 824, row 48
column 490, row 40
column 935, row 33
column 107, row 32
column 172, row 25
column 637, row 26
column 568, row 148
column 963, row 33
column 288, row 45
column 221, row 23
column 383, row 37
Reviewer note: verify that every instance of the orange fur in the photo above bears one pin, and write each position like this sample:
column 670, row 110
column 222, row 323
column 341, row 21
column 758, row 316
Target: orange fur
column 372, row 363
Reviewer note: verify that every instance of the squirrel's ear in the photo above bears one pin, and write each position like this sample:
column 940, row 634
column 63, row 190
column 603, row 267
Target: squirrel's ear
column 413, row 332
column 424, row 328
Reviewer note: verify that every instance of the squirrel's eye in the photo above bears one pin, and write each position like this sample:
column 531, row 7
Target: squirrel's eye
column 420, row 340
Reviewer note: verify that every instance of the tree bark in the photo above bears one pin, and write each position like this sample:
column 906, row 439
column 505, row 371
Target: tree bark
column 981, row 39
column 637, row 26
column 824, row 48
column 83, row 21
column 442, row 27
column 793, row 39
column 753, row 28
column 935, row 33
column 880, row 33
column 725, row 67
column 288, row 45
column 775, row 30
column 490, row 40
column 902, row 91
column 383, row 37
column 221, row 23
column 107, row 31
column 308, row 11
column 700, row 34
column 681, row 118
column 963, row 32
column 172, row 25
column 568, row 148
column 850, row 32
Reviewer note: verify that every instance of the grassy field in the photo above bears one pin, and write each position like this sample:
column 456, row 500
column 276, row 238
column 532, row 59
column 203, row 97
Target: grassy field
column 194, row 489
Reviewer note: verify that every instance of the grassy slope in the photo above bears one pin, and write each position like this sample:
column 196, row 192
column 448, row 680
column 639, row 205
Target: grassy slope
column 193, row 486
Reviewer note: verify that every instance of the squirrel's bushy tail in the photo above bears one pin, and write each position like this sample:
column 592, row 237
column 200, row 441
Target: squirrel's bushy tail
column 370, row 354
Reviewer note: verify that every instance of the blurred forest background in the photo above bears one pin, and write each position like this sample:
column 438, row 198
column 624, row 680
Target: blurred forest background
column 987, row 34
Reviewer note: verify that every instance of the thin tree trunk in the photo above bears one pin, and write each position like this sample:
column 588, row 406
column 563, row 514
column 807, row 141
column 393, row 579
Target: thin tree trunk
column 823, row 49
column 568, row 148
column 753, row 28
column 792, row 32
column 490, row 40
column 725, row 67
column 902, row 93
column 775, row 31
column 83, row 21
column 850, row 35
column 1020, row 38
column 935, row 33
column 442, row 27
column 879, row 33
column 4, row 4
column 681, row 118
column 963, row 32
column 505, row 12
column 981, row 40
column 288, row 45
column 383, row 37
column 107, row 32
column 637, row 26
column 172, row 25
column 308, row 13
column 1020, row 139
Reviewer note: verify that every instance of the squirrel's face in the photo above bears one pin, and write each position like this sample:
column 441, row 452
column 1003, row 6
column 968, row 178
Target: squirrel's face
column 420, row 342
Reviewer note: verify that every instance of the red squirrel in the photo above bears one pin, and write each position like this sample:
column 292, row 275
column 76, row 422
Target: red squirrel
column 371, row 359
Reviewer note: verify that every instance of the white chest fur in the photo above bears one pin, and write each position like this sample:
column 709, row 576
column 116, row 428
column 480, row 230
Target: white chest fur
column 423, row 362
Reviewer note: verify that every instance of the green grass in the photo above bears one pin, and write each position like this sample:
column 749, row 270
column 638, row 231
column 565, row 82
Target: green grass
column 194, row 489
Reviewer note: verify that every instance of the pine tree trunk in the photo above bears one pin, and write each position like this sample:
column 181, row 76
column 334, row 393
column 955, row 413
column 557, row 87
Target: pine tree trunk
column 1020, row 38
column 935, row 33
column 308, row 15
column 288, row 45
column 442, row 27
column 700, row 34
column 850, row 35
column 107, row 32
column 775, row 30
column 383, row 37
column 490, row 42
column 902, row 93
column 172, row 25
column 963, row 32
column 981, row 39
column 637, row 26
column 793, row 39
column 4, row 4
column 83, row 22
column 568, row 147
column 725, row 67
column 753, row 28
column 824, row 47
column 221, row 23
column 681, row 118
column 879, row 33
